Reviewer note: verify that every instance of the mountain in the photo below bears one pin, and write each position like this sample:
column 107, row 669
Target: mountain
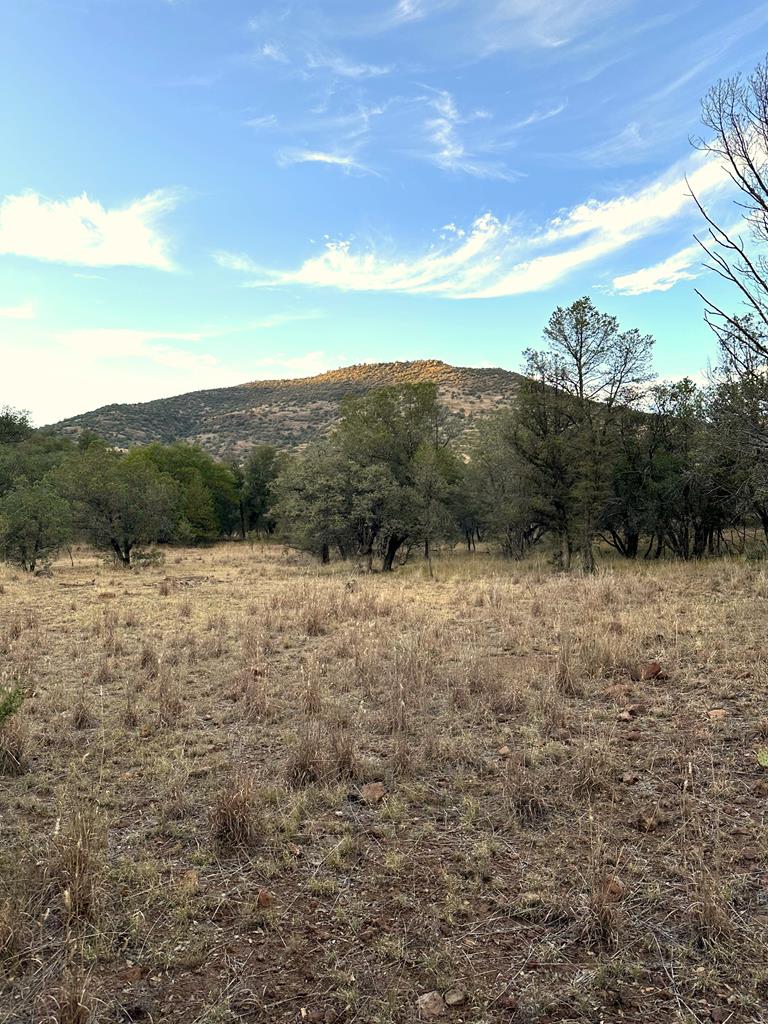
column 287, row 413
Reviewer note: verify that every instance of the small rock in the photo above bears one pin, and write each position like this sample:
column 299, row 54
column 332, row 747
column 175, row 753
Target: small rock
column 625, row 716
column 373, row 792
column 716, row 714
column 630, row 778
column 431, row 1005
column 455, row 997
column 265, row 898
column 652, row 670
column 614, row 888
column 504, row 751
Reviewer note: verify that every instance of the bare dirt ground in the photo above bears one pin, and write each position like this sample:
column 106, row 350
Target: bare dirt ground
column 242, row 788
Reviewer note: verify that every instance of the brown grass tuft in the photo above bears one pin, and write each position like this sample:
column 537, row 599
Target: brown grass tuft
column 234, row 815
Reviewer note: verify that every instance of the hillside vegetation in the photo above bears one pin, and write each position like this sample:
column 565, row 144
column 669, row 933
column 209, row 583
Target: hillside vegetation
column 227, row 422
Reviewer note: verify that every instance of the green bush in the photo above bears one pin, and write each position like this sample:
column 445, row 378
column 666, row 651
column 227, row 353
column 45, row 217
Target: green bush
column 10, row 702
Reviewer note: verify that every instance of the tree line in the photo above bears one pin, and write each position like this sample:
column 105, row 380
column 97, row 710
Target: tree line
column 592, row 454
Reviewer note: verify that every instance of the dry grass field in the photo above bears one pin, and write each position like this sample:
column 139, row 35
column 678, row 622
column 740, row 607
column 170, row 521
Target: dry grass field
column 242, row 788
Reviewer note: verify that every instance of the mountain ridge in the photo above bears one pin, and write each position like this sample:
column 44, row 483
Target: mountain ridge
column 288, row 412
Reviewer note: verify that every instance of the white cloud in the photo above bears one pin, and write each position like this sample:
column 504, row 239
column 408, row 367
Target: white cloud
column 347, row 162
column 237, row 261
column 128, row 343
column 26, row 311
column 494, row 259
column 265, row 121
column 78, row 370
column 493, row 25
column 450, row 152
column 516, row 24
column 415, row 10
column 82, row 231
column 540, row 115
column 345, row 68
column 138, row 365
column 271, row 51
column 661, row 276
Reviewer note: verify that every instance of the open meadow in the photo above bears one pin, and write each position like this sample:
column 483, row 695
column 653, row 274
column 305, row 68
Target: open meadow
column 242, row 787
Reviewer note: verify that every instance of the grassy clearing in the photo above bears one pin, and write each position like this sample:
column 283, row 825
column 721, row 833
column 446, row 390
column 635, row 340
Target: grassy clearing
column 243, row 788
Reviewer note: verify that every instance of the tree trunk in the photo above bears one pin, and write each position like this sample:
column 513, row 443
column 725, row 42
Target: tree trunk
column 122, row 551
column 562, row 553
column 631, row 544
column 588, row 557
column 393, row 546
column 325, row 554
column 700, row 534
column 763, row 514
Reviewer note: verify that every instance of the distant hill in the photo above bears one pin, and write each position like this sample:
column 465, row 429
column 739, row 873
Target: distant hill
column 287, row 413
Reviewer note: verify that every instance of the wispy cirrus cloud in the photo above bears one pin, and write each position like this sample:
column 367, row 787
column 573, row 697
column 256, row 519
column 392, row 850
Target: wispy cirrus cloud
column 82, row 231
column 449, row 150
column 264, row 121
column 494, row 258
column 271, row 51
column 346, row 161
column 405, row 11
column 494, row 25
column 684, row 265
column 520, row 24
column 537, row 116
column 342, row 66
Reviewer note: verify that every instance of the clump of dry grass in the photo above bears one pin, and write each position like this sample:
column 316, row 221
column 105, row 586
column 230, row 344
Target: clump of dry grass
column 131, row 715
column 594, row 767
column 601, row 653
column 14, row 928
column 549, row 709
column 251, row 686
column 105, row 672
column 149, row 661
column 74, row 865
column 709, row 910
column 71, row 1002
column 235, row 818
column 312, row 686
column 82, row 714
column 168, row 697
column 525, row 791
column 174, row 788
column 15, row 746
column 602, row 913
column 321, row 752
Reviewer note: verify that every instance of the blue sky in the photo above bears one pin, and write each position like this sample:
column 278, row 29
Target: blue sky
column 203, row 192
